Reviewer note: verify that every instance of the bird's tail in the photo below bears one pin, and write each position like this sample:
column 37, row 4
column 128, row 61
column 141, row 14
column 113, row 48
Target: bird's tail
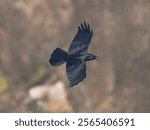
column 58, row 57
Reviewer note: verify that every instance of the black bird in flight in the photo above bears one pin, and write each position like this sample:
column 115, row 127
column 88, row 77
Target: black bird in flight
column 76, row 56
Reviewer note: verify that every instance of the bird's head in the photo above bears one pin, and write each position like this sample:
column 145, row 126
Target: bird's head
column 92, row 57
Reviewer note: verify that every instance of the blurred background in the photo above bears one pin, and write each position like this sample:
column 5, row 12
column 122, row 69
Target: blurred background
column 31, row 29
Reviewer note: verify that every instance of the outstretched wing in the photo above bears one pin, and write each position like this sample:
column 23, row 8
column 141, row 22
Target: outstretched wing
column 76, row 71
column 82, row 39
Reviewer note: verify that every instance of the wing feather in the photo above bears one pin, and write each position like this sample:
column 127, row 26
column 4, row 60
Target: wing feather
column 82, row 39
column 76, row 71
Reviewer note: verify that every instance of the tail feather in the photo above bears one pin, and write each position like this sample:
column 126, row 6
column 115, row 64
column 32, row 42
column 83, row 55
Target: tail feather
column 58, row 57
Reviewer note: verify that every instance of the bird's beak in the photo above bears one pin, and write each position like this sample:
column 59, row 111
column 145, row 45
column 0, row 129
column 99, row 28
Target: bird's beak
column 98, row 58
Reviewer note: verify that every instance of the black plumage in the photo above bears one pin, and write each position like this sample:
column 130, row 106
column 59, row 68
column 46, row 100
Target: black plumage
column 77, row 55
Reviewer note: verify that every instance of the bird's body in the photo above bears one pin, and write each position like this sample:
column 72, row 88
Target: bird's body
column 77, row 55
column 86, row 57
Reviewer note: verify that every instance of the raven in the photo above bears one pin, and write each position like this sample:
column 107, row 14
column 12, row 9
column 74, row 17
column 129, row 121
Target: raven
column 77, row 55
